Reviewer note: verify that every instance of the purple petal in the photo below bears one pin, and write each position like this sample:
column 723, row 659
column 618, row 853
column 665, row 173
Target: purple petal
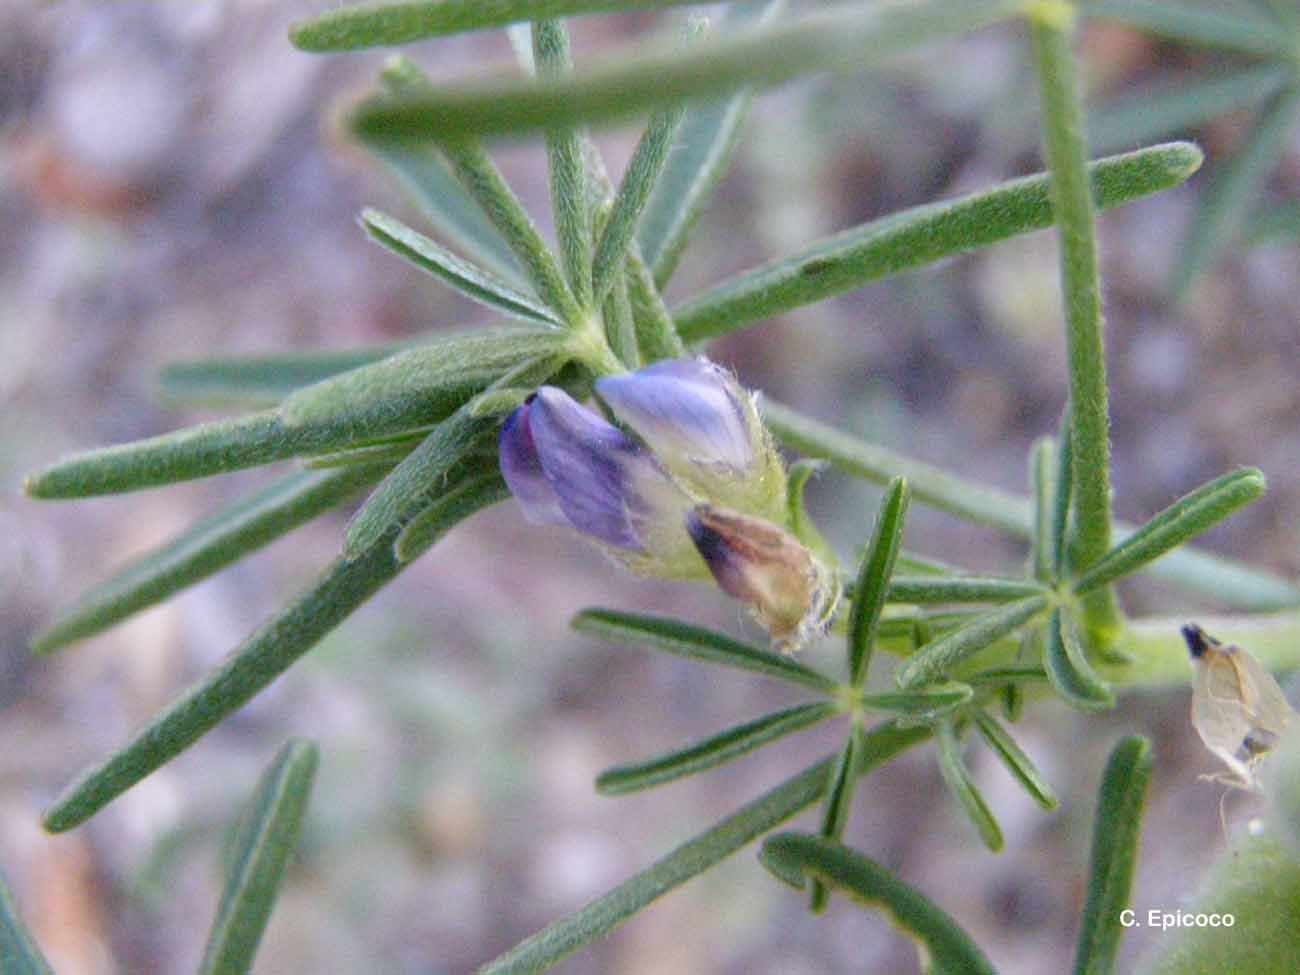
column 685, row 407
column 522, row 470
column 589, row 464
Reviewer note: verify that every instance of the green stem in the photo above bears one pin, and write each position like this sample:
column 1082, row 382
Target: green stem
column 1161, row 654
column 1051, row 29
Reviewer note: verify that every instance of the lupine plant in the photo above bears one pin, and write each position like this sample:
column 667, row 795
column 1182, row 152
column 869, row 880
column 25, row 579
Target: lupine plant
column 592, row 403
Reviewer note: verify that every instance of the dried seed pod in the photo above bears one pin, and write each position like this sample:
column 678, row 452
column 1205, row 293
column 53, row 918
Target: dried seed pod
column 1238, row 709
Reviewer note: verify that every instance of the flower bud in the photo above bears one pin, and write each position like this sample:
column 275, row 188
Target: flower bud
column 705, row 430
column 565, row 464
column 763, row 565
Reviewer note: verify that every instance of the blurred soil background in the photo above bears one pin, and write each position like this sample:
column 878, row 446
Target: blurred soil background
column 172, row 186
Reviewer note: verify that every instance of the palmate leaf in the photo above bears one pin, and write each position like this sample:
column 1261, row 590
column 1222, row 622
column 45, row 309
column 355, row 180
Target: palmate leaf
column 843, row 39
column 918, row 236
column 214, row 543
column 560, row 939
column 265, row 843
column 340, row 588
column 945, row 949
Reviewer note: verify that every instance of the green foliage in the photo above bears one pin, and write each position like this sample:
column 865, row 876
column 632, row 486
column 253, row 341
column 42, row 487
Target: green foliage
column 941, row 943
column 20, row 953
column 267, row 836
column 1114, row 856
column 418, row 426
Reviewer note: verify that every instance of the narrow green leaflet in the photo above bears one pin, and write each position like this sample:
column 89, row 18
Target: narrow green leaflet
column 201, row 451
column 266, row 841
column 1174, row 107
column 931, row 589
column 620, row 326
column 473, row 282
column 918, row 236
column 1051, row 31
column 1042, row 472
column 713, row 751
column 1237, row 185
column 1181, row 521
column 482, row 180
column 957, row 777
column 340, row 588
column 874, row 584
column 18, row 949
column 1197, row 571
column 796, row 513
column 548, row 946
column 434, row 189
column 638, row 182
column 386, row 24
column 418, row 481
column 259, row 381
column 945, row 949
column 927, row 704
column 418, row 387
column 474, row 493
column 1114, row 855
column 401, row 393
column 835, row 811
column 656, row 333
column 684, row 640
column 1014, row 758
column 935, row 660
column 1068, row 669
column 565, row 166
column 702, row 150
column 1063, row 495
column 1194, row 25
column 211, row 545
column 846, row 38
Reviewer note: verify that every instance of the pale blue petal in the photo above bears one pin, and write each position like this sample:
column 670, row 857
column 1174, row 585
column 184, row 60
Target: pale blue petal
column 687, row 408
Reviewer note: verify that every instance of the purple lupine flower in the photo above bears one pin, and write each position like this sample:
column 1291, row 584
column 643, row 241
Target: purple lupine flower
column 704, row 428
column 689, row 409
column 702, row 492
column 565, row 464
